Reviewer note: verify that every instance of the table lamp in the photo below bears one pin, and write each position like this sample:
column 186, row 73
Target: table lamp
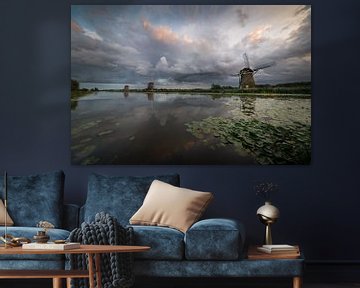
column 268, row 214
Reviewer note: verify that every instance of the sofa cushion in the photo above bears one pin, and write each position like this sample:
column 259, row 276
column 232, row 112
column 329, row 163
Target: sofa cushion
column 214, row 239
column 169, row 206
column 29, row 232
column 35, row 198
column 120, row 196
column 165, row 243
column 9, row 221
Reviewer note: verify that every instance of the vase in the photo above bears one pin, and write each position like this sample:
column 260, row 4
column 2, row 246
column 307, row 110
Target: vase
column 268, row 214
column 41, row 237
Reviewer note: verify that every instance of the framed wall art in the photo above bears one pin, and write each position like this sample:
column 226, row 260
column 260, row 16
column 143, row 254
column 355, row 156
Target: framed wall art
column 190, row 84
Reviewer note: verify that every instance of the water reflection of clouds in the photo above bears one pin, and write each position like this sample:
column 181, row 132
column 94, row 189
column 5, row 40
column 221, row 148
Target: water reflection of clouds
column 279, row 111
column 183, row 109
column 113, row 123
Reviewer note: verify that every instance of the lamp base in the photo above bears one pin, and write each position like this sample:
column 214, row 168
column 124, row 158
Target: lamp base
column 268, row 237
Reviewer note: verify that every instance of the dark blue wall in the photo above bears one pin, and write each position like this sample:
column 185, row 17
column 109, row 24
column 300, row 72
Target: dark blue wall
column 318, row 202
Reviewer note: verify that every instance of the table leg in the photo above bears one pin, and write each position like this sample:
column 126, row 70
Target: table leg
column 98, row 270
column 57, row 283
column 91, row 270
column 297, row 282
column 68, row 282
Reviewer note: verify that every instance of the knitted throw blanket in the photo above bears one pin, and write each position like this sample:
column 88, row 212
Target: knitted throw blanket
column 116, row 268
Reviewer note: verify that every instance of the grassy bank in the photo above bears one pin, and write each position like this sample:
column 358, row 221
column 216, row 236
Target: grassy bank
column 80, row 93
column 298, row 89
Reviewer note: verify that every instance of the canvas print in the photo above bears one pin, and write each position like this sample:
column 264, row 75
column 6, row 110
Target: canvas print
column 191, row 84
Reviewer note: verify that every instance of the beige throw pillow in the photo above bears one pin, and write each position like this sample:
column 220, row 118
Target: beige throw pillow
column 170, row 206
column 9, row 221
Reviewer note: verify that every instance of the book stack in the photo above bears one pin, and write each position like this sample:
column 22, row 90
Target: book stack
column 282, row 251
column 279, row 249
column 51, row 246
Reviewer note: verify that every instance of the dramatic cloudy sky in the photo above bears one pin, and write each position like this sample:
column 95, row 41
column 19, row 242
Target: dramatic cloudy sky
column 189, row 46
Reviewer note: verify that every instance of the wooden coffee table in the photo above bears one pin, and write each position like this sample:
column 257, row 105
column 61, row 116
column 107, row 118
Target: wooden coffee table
column 92, row 251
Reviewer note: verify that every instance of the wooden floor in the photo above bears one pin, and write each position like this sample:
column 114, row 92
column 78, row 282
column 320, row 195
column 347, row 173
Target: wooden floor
column 338, row 285
column 45, row 283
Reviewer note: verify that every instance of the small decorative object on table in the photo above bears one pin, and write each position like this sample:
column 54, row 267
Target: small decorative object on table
column 11, row 241
column 41, row 236
column 268, row 213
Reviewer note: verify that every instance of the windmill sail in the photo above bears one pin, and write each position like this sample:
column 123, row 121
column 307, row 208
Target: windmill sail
column 263, row 66
column 246, row 60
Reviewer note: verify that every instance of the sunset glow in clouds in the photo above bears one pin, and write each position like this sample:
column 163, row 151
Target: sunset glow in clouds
column 189, row 46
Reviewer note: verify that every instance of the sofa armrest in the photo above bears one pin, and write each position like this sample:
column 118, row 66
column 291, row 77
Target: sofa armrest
column 71, row 216
column 215, row 239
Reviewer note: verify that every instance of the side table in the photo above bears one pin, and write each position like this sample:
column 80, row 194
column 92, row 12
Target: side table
column 289, row 259
column 93, row 251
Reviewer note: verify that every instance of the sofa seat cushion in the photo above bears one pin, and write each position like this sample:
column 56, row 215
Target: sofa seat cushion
column 214, row 239
column 166, row 243
column 35, row 198
column 29, row 232
column 120, row 196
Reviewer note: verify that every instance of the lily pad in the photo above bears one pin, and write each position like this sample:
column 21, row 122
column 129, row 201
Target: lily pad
column 267, row 143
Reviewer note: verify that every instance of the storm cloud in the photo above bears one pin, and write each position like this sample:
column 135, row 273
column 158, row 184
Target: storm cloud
column 189, row 46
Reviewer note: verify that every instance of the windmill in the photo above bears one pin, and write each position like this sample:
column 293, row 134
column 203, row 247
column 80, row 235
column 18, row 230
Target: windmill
column 246, row 75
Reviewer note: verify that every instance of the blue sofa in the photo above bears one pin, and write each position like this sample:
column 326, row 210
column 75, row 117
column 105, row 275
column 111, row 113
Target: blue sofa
column 210, row 248
column 32, row 199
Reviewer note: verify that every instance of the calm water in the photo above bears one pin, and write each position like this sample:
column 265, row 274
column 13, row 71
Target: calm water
column 140, row 128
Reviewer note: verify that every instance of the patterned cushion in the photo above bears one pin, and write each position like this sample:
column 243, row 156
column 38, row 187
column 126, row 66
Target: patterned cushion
column 120, row 196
